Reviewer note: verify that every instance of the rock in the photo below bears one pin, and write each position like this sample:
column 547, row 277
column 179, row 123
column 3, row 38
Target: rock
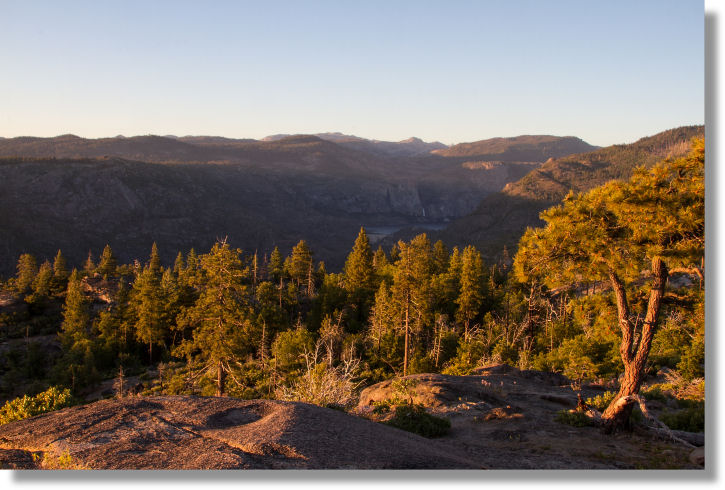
column 17, row 459
column 101, row 290
column 697, row 456
column 506, row 412
column 183, row 432
column 566, row 401
column 435, row 391
column 12, row 303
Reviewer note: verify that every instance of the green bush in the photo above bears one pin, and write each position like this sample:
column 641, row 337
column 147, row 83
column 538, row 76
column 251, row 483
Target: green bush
column 600, row 402
column 28, row 406
column 581, row 358
column 505, row 353
column 290, row 345
column 692, row 364
column 414, row 418
column 576, row 419
column 466, row 359
column 655, row 393
column 690, row 419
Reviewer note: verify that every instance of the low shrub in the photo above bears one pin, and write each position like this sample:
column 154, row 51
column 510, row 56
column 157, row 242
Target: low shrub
column 690, row 419
column 602, row 401
column 576, row 419
column 29, row 406
column 414, row 418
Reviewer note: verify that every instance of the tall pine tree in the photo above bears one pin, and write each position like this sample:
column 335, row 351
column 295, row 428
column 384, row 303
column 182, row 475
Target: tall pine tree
column 220, row 318
column 359, row 275
column 471, row 294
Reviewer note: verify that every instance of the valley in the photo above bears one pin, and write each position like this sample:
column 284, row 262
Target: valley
column 186, row 192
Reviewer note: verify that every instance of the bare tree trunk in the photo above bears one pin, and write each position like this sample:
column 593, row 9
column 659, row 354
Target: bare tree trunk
column 254, row 272
column 634, row 352
column 219, row 379
column 263, row 346
column 309, row 280
column 407, row 335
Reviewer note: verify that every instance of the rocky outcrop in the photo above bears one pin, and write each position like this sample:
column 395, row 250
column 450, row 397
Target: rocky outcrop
column 507, row 418
column 500, row 418
column 177, row 432
column 99, row 289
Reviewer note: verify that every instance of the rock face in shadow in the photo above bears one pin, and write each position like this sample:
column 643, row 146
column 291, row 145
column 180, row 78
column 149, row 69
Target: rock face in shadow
column 181, row 432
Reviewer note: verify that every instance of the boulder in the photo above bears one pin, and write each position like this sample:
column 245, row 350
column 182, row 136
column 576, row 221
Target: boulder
column 697, row 456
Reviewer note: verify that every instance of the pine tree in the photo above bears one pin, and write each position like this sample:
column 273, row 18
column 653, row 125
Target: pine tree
column 179, row 265
column 448, row 284
column 149, row 309
column 276, row 266
column 154, row 260
column 300, row 263
column 440, row 257
column 42, row 283
column 255, row 271
column 89, row 268
column 470, row 299
column 125, row 314
column 172, row 295
column 191, row 272
column 75, row 328
column 412, row 289
column 380, row 260
column 394, row 253
column 27, row 269
column 108, row 327
column 60, row 273
column 383, row 318
column 220, row 317
column 625, row 233
column 359, row 274
column 108, row 265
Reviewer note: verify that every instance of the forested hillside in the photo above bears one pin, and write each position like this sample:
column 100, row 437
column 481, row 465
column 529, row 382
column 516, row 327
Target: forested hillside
column 501, row 218
column 529, row 148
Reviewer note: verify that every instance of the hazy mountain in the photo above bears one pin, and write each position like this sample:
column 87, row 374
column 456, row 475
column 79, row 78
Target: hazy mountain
column 502, row 217
column 74, row 193
column 407, row 148
column 525, row 148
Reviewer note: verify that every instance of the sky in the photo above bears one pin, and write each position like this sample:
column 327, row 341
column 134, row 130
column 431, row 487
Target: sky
column 453, row 71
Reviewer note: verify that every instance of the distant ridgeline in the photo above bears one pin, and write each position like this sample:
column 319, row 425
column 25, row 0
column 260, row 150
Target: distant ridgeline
column 502, row 217
column 80, row 194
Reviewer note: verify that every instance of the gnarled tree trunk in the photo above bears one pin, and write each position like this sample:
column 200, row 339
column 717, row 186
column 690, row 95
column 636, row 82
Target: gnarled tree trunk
column 634, row 351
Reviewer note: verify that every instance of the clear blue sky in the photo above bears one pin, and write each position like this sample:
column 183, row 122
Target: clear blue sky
column 608, row 71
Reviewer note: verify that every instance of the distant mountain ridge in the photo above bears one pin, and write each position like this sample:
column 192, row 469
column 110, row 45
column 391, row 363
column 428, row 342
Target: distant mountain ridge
column 502, row 217
column 78, row 194
column 410, row 147
column 522, row 148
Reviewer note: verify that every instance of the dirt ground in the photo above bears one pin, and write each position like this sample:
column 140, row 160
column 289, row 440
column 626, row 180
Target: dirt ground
column 504, row 418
